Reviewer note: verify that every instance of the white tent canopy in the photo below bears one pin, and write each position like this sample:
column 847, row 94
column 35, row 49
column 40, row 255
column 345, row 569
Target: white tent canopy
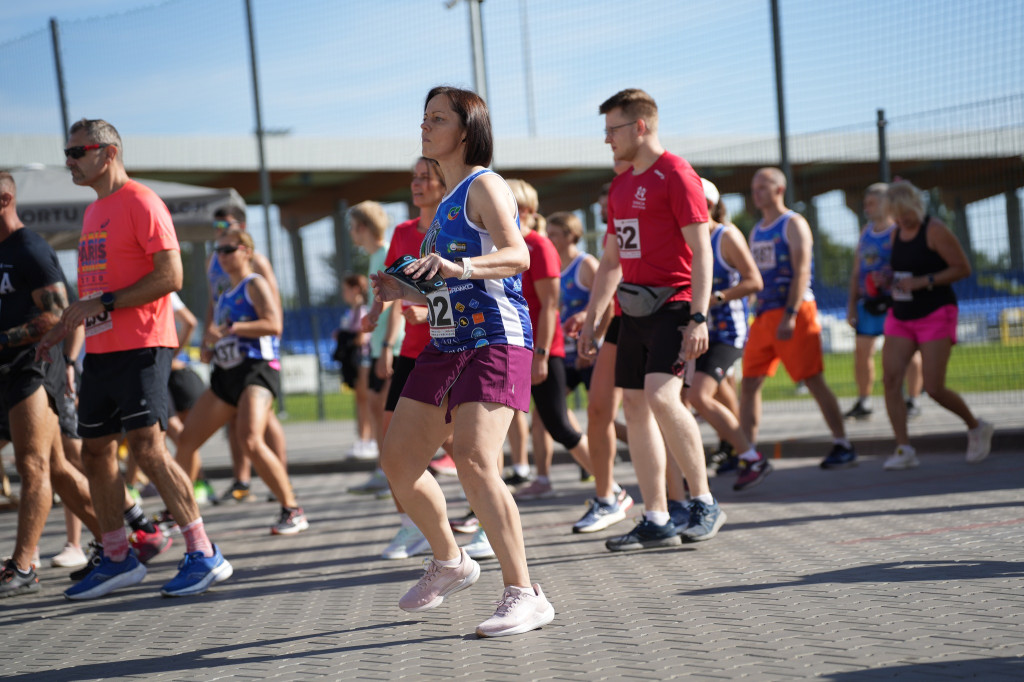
column 52, row 205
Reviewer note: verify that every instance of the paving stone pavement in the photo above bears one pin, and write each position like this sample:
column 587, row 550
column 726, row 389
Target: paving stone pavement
column 835, row 575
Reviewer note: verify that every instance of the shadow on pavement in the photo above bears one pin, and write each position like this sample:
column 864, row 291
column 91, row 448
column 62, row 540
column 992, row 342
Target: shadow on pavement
column 1008, row 668
column 890, row 572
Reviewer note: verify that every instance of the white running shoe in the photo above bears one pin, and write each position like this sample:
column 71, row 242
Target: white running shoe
column 979, row 441
column 438, row 582
column 905, row 457
column 69, row 557
column 409, row 541
column 520, row 610
column 479, row 547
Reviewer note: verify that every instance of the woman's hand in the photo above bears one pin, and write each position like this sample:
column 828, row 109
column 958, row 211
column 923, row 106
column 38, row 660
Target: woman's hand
column 431, row 265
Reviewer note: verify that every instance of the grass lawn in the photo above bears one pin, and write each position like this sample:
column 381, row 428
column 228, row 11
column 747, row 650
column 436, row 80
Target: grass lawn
column 972, row 369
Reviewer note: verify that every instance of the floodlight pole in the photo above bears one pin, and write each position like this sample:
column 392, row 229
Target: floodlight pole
column 476, row 45
column 884, row 173
column 781, row 103
column 265, row 196
column 55, row 39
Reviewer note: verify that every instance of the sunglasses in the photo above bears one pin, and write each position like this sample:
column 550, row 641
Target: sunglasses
column 79, row 151
column 227, row 249
column 223, row 224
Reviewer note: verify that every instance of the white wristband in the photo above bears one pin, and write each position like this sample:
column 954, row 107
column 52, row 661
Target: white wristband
column 467, row 269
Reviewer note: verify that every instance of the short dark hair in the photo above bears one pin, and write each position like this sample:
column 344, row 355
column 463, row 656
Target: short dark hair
column 472, row 112
column 232, row 211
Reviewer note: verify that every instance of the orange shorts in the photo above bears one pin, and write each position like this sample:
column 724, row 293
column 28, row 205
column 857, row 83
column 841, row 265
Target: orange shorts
column 800, row 355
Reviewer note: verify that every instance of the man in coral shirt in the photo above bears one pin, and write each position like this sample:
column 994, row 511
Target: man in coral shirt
column 129, row 262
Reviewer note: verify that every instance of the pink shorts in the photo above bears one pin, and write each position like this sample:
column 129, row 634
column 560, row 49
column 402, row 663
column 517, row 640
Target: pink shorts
column 940, row 324
column 488, row 374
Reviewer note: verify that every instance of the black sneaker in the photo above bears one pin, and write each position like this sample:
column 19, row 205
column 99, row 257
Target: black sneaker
column 858, row 411
column 13, row 582
column 95, row 558
column 724, row 451
column 514, row 480
column 913, row 408
column 645, row 536
column 839, row 458
column 728, row 465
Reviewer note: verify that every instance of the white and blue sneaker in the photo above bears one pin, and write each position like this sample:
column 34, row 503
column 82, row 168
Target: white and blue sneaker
column 704, row 523
column 107, row 576
column 599, row 516
column 408, row 542
column 196, row 573
column 479, row 547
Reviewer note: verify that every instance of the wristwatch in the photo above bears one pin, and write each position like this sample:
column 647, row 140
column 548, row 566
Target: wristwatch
column 790, row 310
column 68, row 360
column 699, row 318
column 107, row 299
column 543, row 352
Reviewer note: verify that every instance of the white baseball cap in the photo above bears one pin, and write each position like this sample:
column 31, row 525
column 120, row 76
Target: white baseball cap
column 711, row 192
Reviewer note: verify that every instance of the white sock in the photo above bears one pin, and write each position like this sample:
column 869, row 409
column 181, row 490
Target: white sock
column 842, row 441
column 450, row 563
column 521, row 469
column 616, row 488
column 406, row 521
column 607, row 500
column 751, row 455
column 657, row 518
column 706, row 498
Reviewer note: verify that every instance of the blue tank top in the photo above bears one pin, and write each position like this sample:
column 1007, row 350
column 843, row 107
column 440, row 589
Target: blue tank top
column 770, row 249
column 472, row 313
column 234, row 305
column 727, row 321
column 219, row 280
column 874, row 254
column 575, row 297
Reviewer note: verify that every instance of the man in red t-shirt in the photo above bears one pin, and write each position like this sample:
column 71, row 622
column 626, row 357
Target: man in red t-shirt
column 129, row 262
column 658, row 238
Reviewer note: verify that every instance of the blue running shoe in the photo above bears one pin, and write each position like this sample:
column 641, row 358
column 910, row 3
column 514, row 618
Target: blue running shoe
column 705, row 520
column 107, row 576
column 645, row 536
column 196, row 573
column 679, row 512
column 839, row 458
column 599, row 516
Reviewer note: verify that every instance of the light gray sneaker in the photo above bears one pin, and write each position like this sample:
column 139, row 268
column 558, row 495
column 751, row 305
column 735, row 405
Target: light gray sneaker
column 409, row 541
column 979, row 441
column 479, row 547
column 520, row 610
column 438, row 582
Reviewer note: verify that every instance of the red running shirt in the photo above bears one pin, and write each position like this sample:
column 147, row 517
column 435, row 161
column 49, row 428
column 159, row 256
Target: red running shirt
column 544, row 264
column 645, row 215
column 407, row 239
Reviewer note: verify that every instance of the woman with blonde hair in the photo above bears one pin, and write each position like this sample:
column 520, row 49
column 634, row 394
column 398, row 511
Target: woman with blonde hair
column 926, row 260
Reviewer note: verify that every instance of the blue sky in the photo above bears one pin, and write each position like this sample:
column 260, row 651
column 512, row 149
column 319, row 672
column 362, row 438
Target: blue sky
column 360, row 68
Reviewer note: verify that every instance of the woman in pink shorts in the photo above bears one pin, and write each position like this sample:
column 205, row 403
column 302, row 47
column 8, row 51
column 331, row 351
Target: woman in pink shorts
column 476, row 371
column 926, row 260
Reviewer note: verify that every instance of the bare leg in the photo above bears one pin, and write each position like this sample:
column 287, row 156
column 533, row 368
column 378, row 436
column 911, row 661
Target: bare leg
column 253, row 408
column 274, row 437
column 602, row 405
column 73, row 488
column 702, row 395
column 750, row 406
column 517, row 436
column 864, row 365
column 679, row 428
column 170, row 480
column 896, row 353
column 827, row 403
column 33, row 430
column 915, row 377
column 646, row 448
column 935, row 359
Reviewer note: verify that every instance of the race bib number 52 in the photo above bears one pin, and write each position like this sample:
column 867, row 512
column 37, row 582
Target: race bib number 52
column 627, row 234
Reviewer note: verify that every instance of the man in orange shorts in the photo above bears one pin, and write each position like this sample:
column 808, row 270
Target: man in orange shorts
column 786, row 324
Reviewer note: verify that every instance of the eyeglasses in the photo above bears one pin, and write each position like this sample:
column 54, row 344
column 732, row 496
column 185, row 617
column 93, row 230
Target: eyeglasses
column 223, row 224
column 609, row 131
column 227, row 249
column 79, row 151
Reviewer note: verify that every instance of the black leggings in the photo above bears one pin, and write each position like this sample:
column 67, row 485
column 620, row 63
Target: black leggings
column 549, row 399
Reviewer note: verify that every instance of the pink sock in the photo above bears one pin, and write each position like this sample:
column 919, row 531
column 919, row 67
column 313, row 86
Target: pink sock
column 195, row 538
column 115, row 545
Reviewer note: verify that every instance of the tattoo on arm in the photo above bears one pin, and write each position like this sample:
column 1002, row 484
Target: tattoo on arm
column 51, row 301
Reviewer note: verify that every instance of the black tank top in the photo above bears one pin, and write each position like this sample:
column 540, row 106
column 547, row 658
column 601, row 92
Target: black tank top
column 914, row 259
